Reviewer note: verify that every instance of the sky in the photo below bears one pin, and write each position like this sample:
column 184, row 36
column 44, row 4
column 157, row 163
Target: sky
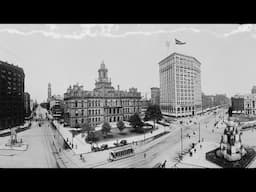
column 66, row 54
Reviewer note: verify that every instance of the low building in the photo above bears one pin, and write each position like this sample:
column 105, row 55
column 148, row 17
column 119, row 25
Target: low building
column 104, row 103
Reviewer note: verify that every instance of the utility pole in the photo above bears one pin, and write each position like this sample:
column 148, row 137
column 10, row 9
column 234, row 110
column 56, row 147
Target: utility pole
column 199, row 133
column 181, row 142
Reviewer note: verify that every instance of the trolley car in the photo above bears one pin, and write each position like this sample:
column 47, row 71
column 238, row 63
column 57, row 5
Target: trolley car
column 121, row 152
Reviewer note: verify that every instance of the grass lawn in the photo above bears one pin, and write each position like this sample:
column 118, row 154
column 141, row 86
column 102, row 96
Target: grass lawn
column 116, row 134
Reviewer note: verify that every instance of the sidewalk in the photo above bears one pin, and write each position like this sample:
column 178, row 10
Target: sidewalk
column 198, row 158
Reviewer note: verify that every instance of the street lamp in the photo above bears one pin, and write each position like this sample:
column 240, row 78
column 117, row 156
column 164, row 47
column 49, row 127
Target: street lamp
column 199, row 133
column 144, row 135
column 181, row 141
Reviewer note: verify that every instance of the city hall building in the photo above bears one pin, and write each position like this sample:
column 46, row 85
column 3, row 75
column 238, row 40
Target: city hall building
column 103, row 103
column 180, row 85
column 11, row 95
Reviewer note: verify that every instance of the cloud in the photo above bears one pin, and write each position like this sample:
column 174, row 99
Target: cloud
column 240, row 29
column 92, row 30
column 52, row 27
column 114, row 31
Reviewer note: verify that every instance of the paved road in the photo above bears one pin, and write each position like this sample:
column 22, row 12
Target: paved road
column 38, row 155
column 167, row 147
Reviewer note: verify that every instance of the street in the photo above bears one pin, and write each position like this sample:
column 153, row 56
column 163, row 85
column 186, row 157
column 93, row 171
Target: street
column 43, row 150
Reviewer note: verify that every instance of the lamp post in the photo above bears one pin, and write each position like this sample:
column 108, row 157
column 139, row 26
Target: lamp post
column 181, row 141
column 199, row 135
column 144, row 135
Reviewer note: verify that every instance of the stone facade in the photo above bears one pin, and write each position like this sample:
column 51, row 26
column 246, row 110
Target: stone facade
column 104, row 103
column 245, row 104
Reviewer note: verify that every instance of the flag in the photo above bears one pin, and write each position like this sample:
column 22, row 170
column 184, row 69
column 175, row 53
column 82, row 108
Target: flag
column 178, row 42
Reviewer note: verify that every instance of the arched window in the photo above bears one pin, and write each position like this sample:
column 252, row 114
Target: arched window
column 76, row 103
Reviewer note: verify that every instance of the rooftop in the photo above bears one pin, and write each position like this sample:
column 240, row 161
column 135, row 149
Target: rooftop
column 16, row 67
column 178, row 54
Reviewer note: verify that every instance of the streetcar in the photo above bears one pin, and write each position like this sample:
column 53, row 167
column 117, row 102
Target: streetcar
column 121, row 152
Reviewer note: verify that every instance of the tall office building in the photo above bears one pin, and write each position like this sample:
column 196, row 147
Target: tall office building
column 11, row 95
column 180, row 85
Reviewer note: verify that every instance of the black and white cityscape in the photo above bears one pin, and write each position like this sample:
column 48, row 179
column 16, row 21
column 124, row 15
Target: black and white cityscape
column 127, row 96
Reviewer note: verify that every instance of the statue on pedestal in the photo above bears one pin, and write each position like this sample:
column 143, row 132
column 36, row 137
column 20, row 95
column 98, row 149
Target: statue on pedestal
column 231, row 147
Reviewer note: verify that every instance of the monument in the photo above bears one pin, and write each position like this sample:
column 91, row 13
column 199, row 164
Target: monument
column 231, row 147
column 13, row 141
column 231, row 153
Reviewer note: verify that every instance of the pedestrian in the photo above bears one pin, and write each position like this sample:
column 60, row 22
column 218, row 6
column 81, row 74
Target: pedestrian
column 200, row 145
column 81, row 157
column 195, row 150
column 144, row 155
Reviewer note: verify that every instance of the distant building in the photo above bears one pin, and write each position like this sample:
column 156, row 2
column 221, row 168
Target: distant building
column 249, row 104
column 253, row 91
column 49, row 92
column 31, row 104
column 209, row 101
column 155, row 96
column 104, row 103
column 27, row 110
column 56, row 106
column 237, row 103
column 180, row 85
column 221, row 99
column 244, row 103
column 11, row 95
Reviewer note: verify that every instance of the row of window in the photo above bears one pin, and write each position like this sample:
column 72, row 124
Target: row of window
column 107, row 103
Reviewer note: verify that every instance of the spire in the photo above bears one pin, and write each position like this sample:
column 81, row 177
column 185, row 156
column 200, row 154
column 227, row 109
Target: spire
column 102, row 65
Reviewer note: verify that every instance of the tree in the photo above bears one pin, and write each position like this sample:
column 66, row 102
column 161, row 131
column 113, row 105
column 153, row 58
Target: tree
column 86, row 128
column 136, row 122
column 120, row 125
column 153, row 113
column 105, row 128
column 91, row 137
column 230, row 111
